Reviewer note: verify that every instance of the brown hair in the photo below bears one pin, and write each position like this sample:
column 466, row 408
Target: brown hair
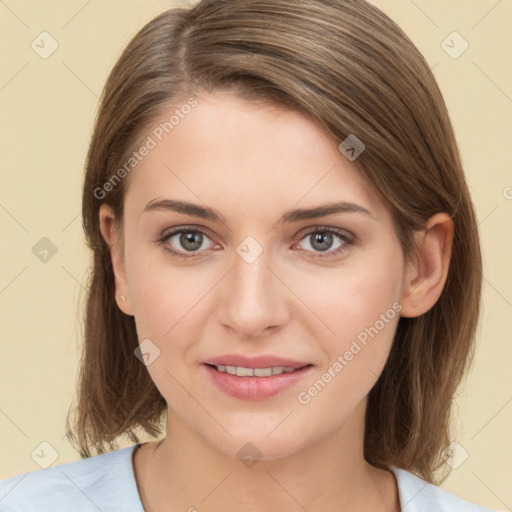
column 347, row 65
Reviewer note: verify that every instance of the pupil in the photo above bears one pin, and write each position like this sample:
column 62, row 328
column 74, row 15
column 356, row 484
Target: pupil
column 191, row 241
column 321, row 238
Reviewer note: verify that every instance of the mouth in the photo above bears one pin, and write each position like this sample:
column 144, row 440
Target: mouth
column 255, row 383
column 241, row 371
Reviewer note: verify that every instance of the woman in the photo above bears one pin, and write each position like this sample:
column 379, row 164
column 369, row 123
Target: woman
column 286, row 270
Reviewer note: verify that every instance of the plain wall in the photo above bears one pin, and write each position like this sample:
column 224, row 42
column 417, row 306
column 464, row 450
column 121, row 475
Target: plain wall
column 48, row 107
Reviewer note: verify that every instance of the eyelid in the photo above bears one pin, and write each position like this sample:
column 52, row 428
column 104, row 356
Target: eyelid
column 186, row 227
column 344, row 233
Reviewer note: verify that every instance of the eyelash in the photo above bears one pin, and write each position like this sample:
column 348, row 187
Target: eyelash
column 347, row 239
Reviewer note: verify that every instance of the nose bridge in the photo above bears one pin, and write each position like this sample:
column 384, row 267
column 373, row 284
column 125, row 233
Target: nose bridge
column 252, row 301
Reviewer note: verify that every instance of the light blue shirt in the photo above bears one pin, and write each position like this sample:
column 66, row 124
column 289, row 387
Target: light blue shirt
column 106, row 483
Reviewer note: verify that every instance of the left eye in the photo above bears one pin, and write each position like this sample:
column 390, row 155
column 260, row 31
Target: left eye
column 321, row 241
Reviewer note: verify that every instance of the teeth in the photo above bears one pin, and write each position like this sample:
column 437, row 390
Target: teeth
column 231, row 370
column 240, row 371
column 262, row 372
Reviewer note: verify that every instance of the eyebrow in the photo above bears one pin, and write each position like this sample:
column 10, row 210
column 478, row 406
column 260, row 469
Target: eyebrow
column 290, row 216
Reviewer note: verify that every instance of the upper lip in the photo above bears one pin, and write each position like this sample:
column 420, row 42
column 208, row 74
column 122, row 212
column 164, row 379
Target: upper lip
column 263, row 361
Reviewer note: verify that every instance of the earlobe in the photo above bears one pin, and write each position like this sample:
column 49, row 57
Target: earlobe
column 111, row 236
column 425, row 277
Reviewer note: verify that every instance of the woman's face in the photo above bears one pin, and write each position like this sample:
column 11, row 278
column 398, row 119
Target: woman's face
column 245, row 271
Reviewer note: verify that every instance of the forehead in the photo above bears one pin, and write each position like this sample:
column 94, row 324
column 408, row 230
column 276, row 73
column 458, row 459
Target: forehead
column 245, row 156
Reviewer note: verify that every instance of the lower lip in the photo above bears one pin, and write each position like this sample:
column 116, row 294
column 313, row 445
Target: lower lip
column 255, row 388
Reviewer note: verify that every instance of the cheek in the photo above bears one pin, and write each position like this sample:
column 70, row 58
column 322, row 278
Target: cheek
column 348, row 301
column 168, row 305
column 170, row 309
column 359, row 310
column 365, row 322
column 163, row 294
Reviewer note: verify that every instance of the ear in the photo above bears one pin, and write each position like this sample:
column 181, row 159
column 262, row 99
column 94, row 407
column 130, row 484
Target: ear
column 110, row 230
column 425, row 277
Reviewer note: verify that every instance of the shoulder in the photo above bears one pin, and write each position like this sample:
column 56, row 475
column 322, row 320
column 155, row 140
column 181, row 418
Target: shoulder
column 104, row 482
column 416, row 495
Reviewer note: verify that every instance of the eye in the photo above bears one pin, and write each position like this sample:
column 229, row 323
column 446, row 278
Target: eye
column 321, row 239
column 187, row 240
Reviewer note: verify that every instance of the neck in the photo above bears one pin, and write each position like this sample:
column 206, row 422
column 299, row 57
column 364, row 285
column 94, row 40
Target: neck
column 187, row 473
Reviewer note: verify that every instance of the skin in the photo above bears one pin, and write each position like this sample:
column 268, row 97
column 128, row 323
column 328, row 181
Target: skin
column 252, row 163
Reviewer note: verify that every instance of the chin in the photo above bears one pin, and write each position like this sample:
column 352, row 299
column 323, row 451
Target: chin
column 251, row 449
column 267, row 439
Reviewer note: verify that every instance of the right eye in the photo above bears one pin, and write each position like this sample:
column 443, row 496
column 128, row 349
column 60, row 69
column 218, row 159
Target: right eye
column 187, row 240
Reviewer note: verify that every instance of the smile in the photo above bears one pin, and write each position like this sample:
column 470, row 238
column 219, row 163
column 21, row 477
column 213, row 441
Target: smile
column 240, row 371
column 255, row 383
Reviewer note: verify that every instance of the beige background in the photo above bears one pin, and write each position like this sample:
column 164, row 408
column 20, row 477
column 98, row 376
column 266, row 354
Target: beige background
column 48, row 107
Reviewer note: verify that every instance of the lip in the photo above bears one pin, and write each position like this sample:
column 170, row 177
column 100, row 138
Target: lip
column 255, row 388
column 263, row 361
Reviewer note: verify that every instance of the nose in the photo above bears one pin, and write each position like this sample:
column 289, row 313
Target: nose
column 253, row 299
